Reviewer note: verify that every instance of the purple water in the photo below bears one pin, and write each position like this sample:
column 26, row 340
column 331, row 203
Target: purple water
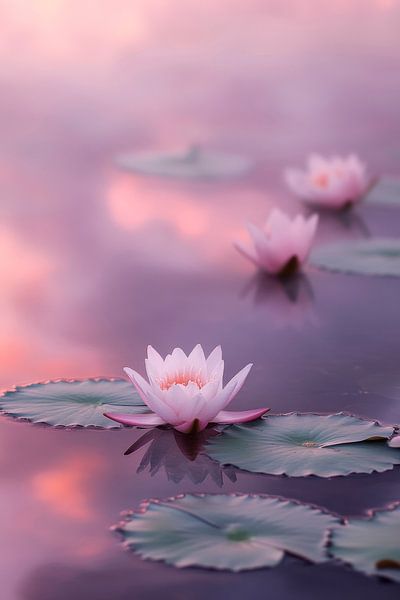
column 96, row 263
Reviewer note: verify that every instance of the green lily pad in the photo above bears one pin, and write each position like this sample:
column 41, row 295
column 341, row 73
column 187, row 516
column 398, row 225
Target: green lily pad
column 385, row 192
column 72, row 403
column 233, row 532
column 371, row 545
column 363, row 257
column 194, row 163
column 306, row 444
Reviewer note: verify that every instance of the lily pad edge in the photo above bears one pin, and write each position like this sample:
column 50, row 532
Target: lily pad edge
column 367, row 515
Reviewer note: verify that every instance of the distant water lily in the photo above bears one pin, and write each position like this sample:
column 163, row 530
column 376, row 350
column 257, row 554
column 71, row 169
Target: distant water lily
column 395, row 442
column 186, row 391
column 282, row 245
column 335, row 182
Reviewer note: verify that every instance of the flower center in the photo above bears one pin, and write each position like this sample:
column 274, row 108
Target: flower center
column 181, row 379
column 309, row 444
column 322, row 180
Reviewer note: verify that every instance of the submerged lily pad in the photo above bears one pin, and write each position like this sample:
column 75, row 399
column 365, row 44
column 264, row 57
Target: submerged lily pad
column 234, row 532
column 371, row 545
column 195, row 163
column 364, row 257
column 306, row 444
column 72, row 403
column 386, row 192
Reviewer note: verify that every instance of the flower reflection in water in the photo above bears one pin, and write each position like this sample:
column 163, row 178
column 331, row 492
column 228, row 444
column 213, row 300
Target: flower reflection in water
column 342, row 225
column 180, row 455
column 289, row 301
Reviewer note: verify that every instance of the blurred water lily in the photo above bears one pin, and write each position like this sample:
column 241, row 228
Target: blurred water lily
column 186, row 391
column 336, row 182
column 282, row 245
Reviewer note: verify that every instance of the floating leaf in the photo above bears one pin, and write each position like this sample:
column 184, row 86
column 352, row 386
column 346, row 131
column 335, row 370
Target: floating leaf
column 234, row 532
column 371, row 545
column 195, row 163
column 306, row 444
column 71, row 403
column 364, row 257
column 386, row 192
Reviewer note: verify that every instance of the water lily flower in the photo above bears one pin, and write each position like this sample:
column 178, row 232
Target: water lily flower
column 282, row 245
column 395, row 442
column 186, row 391
column 336, row 182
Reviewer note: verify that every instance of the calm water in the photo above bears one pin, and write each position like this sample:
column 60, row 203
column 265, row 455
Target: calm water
column 96, row 263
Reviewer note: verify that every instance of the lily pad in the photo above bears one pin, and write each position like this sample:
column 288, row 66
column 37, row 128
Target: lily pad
column 194, row 163
column 72, row 403
column 233, row 532
column 363, row 257
column 371, row 545
column 306, row 444
column 385, row 192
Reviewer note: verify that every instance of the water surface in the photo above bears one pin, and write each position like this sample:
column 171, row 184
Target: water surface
column 96, row 263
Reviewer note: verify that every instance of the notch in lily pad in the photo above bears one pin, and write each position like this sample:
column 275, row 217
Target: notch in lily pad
column 371, row 545
column 298, row 445
column 360, row 257
column 72, row 403
column 227, row 532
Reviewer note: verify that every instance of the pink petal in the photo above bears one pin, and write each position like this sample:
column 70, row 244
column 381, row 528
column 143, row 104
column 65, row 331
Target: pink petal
column 278, row 222
column 228, row 417
column 144, row 420
column 146, row 393
column 155, row 359
column 297, row 182
column 247, row 252
column 316, row 162
column 235, row 384
column 223, row 398
column 197, row 360
column 259, row 238
column 214, row 359
column 154, row 365
column 395, row 442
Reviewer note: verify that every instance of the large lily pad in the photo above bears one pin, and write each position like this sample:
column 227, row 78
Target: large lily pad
column 306, row 444
column 364, row 257
column 371, row 545
column 234, row 532
column 195, row 163
column 72, row 403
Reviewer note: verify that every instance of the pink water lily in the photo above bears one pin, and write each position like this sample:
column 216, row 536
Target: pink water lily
column 282, row 245
column 186, row 391
column 334, row 182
